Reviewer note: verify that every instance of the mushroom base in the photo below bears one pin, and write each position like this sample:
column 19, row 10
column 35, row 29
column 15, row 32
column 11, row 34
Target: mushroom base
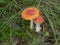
column 38, row 28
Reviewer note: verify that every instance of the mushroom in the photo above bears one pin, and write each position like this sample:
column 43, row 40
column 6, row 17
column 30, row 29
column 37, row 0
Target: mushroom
column 47, row 31
column 30, row 14
column 38, row 21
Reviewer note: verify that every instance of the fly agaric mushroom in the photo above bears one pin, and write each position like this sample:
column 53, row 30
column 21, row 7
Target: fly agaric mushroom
column 30, row 14
column 38, row 21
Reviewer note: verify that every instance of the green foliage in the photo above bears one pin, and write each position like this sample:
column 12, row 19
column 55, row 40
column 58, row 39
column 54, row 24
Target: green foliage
column 2, row 1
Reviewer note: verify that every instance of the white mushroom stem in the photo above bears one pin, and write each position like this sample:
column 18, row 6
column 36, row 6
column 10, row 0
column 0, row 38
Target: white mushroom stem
column 31, row 24
column 38, row 28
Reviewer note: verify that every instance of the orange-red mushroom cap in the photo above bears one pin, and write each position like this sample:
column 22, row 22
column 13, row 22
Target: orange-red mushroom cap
column 30, row 13
column 39, row 20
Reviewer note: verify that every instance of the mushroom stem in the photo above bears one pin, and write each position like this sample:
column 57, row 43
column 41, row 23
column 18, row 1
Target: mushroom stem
column 38, row 28
column 31, row 24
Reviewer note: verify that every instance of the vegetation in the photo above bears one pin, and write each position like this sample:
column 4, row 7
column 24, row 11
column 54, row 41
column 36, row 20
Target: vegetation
column 14, row 29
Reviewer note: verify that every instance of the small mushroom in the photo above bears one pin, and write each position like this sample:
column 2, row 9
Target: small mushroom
column 38, row 21
column 47, row 31
column 30, row 14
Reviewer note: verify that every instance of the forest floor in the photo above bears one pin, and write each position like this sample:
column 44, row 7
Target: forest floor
column 15, row 31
